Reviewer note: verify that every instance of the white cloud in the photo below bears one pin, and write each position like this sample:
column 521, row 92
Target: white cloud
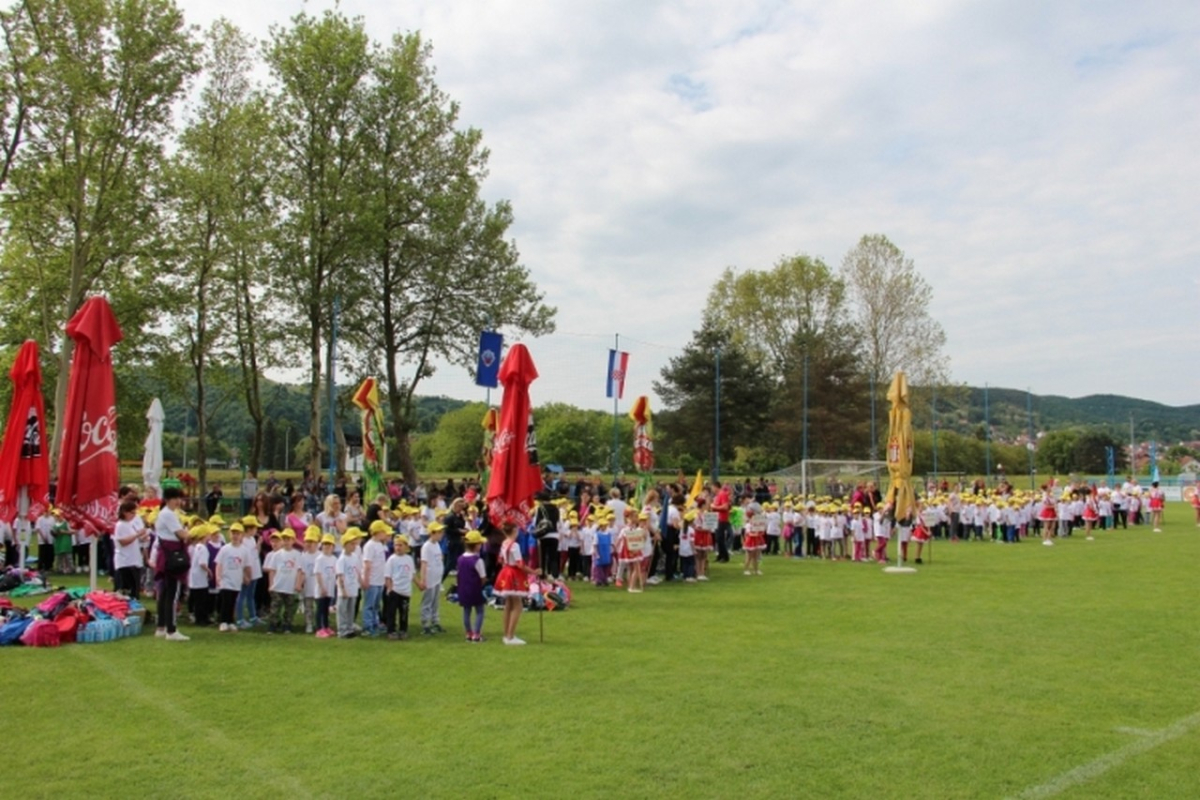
column 1035, row 160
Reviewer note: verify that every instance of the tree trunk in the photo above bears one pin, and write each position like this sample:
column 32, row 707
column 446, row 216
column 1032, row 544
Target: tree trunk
column 314, row 397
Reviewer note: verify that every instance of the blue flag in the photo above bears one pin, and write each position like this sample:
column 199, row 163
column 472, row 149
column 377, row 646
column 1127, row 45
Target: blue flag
column 488, row 366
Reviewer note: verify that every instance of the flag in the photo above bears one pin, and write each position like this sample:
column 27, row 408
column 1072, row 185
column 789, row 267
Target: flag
column 488, row 367
column 697, row 487
column 618, row 363
column 367, row 400
column 643, row 435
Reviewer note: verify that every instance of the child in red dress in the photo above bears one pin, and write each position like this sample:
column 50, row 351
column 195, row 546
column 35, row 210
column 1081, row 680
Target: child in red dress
column 513, row 582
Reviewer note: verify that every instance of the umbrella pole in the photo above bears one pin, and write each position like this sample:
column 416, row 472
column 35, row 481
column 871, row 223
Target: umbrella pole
column 23, row 529
column 93, row 557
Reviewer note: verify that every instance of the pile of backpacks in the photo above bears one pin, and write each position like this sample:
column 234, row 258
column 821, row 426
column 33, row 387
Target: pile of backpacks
column 69, row 616
column 16, row 582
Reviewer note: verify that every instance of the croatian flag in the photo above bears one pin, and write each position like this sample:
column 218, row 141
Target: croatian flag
column 618, row 363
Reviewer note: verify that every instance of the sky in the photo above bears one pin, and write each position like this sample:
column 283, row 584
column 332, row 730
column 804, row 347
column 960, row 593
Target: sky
column 1037, row 161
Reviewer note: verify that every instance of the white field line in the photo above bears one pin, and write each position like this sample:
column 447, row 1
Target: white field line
column 271, row 777
column 1146, row 741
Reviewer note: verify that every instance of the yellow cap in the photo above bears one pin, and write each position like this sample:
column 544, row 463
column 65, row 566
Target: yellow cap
column 328, row 539
column 250, row 521
column 434, row 527
column 312, row 534
column 379, row 526
column 352, row 534
column 473, row 537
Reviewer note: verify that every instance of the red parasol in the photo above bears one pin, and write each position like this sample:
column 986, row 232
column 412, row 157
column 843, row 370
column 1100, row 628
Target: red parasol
column 515, row 477
column 23, row 463
column 87, row 462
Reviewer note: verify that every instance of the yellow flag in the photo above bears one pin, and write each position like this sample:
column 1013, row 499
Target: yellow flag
column 697, row 486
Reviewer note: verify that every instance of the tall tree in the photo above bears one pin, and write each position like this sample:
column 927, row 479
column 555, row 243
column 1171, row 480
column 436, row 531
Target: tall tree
column 890, row 302
column 96, row 81
column 767, row 311
column 219, row 154
column 689, row 393
column 437, row 265
column 319, row 65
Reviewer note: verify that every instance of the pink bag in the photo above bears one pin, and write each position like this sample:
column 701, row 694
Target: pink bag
column 41, row 633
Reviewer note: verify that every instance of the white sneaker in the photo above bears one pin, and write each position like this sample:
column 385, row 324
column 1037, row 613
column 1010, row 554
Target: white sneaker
column 1158, row 530
column 702, row 578
column 177, row 637
column 1048, row 542
column 514, row 640
column 747, row 572
column 223, row 627
column 160, row 632
column 758, row 572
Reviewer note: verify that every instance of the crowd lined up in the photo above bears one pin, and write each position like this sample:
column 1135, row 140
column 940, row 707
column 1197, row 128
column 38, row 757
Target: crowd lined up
column 350, row 571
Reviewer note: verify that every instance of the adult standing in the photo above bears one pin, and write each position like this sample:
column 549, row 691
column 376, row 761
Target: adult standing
column 212, row 500
column 456, row 528
column 722, row 502
column 169, row 532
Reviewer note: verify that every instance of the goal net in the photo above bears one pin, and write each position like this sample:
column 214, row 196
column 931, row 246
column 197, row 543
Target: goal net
column 833, row 478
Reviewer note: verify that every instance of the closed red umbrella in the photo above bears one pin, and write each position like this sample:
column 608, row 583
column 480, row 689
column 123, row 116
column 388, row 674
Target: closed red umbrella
column 87, row 463
column 515, row 477
column 24, row 467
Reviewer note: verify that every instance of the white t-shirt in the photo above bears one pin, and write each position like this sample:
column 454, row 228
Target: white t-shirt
column 231, row 566
column 348, row 569
column 286, row 564
column 252, row 559
column 374, row 555
column 325, row 575
column 126, row 555
column 167, row 526
column 686, row 540
column 45, row 529
column 198, row 571
column 431, row 556
column 308, row 563
column 400, row 569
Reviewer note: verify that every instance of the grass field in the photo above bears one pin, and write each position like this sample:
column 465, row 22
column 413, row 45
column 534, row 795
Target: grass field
column 995, row 671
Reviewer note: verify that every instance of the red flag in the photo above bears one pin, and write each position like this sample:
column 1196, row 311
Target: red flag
column 23, row 462
column 515, row 477
column 87, row 463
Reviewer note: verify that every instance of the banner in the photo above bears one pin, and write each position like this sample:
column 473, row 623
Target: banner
column 367, row 399
column 487, row 369
column 618, row 362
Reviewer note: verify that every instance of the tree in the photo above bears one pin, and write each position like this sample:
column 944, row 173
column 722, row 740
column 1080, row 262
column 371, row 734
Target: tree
column 688, row 392
column 1056, row 452
column 455, row 445
column 94, row 83
column 576, row 437
column 319, row 64
column 768, row 311
column 220, row 155
column 890, row 303
column 1090, row 454
column 436, row 263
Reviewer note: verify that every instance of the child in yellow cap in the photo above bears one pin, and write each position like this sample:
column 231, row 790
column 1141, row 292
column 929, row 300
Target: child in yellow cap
column 308, row 562
column 285, row 580
column 349, row 582
column 325, row 575
column 398, row 573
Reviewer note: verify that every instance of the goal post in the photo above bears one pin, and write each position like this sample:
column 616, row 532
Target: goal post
column 835, row 478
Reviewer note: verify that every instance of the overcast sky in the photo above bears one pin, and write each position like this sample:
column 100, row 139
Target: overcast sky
column 1037, row 160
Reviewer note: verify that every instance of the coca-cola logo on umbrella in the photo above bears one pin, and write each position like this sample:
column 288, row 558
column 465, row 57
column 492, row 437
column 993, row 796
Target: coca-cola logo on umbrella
column 98, row 436
column 31, row 445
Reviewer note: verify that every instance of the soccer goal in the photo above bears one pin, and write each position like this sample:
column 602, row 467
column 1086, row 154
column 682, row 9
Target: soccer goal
column 833, row 478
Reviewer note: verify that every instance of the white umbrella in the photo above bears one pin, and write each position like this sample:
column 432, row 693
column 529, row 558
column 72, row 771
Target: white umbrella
column 152, row 458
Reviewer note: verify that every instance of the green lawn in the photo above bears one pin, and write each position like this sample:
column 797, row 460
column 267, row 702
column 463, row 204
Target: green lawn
column 991, row 672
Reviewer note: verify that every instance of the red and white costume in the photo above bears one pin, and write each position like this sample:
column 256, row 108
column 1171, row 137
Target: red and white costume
column 512, row 580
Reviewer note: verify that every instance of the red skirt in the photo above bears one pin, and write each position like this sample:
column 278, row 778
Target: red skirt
column 1090, row 515
column 1046, row 514
column 511, row 582
column 754, row 541
column 920, row 534
column 703, row 540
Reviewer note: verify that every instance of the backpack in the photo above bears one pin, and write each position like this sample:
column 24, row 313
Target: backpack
column 11, row 631
column 40, row 633
column 53, row 604
column 68, row 621
column 10, row 580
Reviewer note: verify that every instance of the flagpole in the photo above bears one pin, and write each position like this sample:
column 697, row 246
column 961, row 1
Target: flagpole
column 716, row 470
column 616, row 399
column 23, row 529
